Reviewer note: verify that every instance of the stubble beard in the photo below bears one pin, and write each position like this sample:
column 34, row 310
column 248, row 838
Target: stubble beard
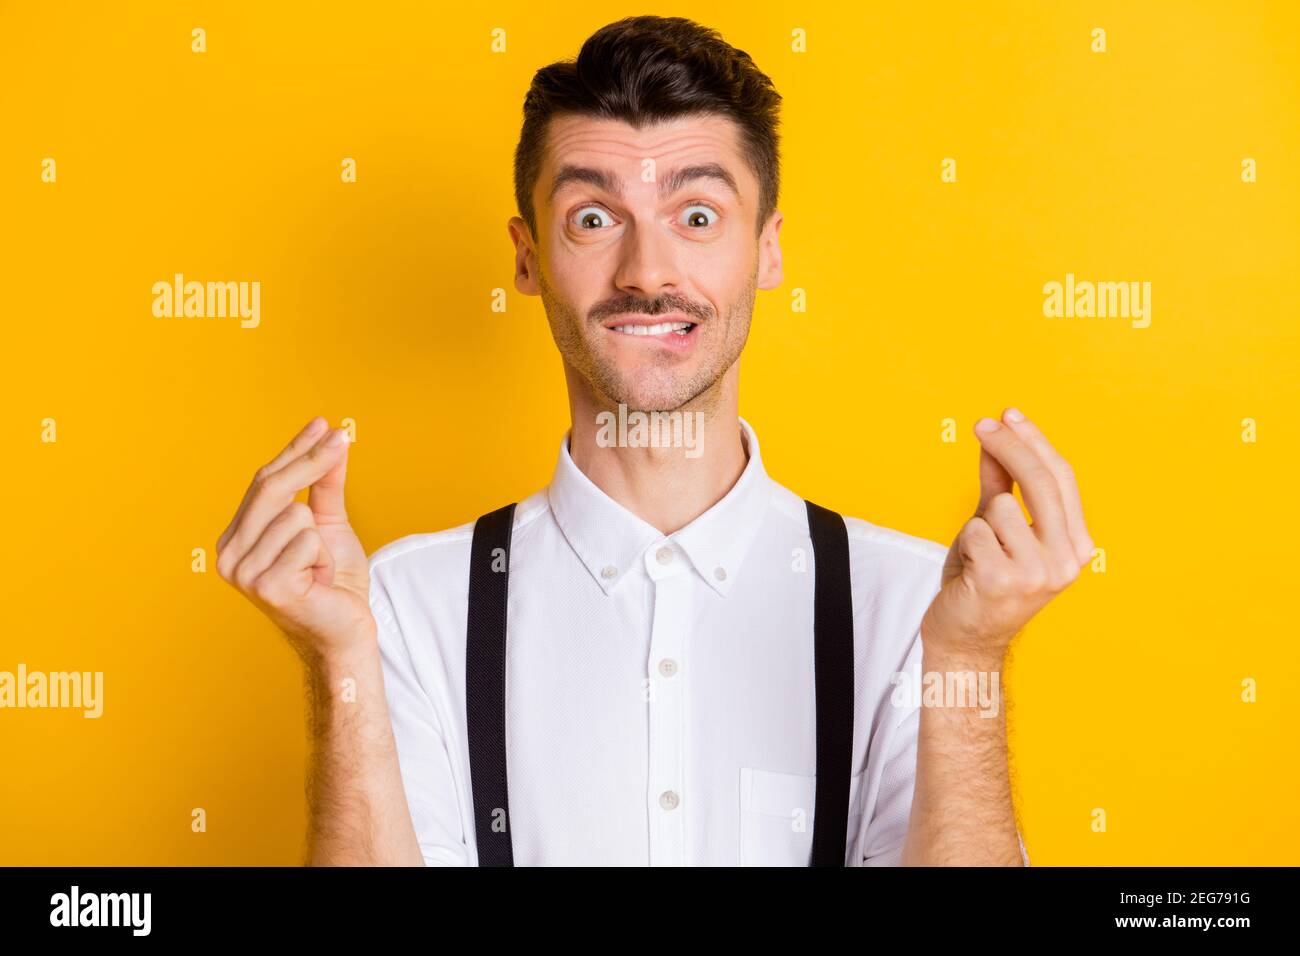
column 660, row 388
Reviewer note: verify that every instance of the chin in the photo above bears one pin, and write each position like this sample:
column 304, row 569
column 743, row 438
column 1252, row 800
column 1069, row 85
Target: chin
column 654, row 400
column 653, row 395
column 662, row 384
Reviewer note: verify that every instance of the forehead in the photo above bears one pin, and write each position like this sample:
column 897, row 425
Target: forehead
column 620, row 148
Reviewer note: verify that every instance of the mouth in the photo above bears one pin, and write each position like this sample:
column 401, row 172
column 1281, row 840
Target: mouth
column 661, row 328
column 666, row 329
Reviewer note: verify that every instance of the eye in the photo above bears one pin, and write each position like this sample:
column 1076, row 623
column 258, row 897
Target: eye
column 592, row 218
column 699, row 216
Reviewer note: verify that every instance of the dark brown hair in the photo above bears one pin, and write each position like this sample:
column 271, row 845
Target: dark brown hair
column 645, row 69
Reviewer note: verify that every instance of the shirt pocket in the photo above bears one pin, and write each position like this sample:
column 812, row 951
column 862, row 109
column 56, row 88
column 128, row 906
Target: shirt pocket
column 776, row 817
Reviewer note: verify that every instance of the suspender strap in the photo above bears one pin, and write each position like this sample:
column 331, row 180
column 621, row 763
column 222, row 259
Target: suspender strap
column 485, row 684
column 833, row 675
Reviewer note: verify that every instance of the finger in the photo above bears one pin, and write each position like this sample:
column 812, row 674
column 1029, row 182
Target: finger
column 307, row 437
column 292, row 574
column 1033, row 436
column 979, row 547
column 1037, row 484
column 282, row 529
column 994, row 480
column 233, row 545
column 326, row 495
column 311, row 433
column 991, row 570
column 1007, row 519
column 274, row 492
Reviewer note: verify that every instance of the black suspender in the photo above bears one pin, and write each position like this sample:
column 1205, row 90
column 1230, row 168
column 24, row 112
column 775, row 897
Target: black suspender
column 485, row 684
column 833, row 679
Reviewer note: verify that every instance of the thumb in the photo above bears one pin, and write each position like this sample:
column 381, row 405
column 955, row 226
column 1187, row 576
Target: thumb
column 326, row 495
column 994, row 479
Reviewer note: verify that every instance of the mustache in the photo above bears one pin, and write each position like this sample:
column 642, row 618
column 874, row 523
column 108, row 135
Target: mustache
column 664, row 304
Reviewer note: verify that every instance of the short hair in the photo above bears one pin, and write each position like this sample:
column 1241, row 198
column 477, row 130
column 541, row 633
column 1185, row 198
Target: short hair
column 646, row 69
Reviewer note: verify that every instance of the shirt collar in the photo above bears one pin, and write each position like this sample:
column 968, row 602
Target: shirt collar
column 610, row 540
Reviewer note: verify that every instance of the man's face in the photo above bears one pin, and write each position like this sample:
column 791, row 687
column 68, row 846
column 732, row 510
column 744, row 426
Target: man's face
column 647, row 257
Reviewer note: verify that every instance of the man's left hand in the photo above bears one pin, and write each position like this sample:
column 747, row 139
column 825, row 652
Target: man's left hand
column 1001, row 569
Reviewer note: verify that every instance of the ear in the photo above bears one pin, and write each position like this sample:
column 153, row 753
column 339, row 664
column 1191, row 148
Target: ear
column 770, row 272
column 526, row 261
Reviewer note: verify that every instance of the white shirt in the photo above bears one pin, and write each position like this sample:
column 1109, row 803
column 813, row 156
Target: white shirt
column 660, row 697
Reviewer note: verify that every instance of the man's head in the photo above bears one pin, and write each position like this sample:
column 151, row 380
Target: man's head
column 647, row 176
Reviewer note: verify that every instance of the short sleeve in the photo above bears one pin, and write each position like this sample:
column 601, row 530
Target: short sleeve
column 427, row 776
column 886, row 829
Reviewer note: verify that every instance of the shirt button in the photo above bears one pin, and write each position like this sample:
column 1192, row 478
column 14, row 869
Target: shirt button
column 608, row 571
column 669, row 800
column 668, row 667
column 720, row 573
column 664, row 555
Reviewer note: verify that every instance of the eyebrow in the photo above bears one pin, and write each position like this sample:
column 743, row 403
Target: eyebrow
column 675, row 180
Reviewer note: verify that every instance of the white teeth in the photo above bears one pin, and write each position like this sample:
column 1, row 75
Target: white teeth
column 663, row 327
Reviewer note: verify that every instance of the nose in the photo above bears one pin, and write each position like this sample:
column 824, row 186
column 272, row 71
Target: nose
column 648, row 263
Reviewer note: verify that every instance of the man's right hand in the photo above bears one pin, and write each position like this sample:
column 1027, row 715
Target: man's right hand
column 302, row 564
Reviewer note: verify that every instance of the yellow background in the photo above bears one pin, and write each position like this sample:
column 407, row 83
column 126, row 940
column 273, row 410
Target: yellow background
column 924, row 303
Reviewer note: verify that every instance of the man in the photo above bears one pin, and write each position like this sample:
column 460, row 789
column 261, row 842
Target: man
column 655, row 690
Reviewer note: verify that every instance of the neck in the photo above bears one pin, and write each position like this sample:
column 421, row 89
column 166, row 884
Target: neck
column 666, row 487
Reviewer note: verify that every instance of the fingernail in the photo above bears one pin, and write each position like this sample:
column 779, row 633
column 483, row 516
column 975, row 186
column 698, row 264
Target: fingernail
column 1015, row 415
column 314, row 425
column 986, row 425
column 338, row 438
